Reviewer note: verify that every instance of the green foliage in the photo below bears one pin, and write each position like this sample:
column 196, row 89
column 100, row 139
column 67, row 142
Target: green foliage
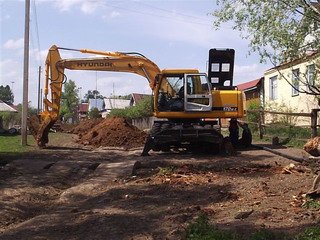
column 253, row 116
column 12, row 144
column 70, row 100
column 14, row 118
column 166, row 170
column 309, row 234
column 6, row 95
column 201, row 230
column 275, row 29
column 142, row 109
column 279, row 118
column 285, row 126
column 288, row 131
column 92, row 94
column 94, row 113
column 311, row 204
column 265, row 235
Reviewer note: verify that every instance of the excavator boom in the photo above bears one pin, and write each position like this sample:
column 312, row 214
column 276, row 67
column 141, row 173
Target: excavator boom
column 54, row 78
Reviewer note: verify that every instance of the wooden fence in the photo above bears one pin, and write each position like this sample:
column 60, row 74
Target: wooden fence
column 313, row 115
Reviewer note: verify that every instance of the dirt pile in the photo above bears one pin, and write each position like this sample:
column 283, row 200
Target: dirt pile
column 313, row 146
column 110, row 132
column 86, row 125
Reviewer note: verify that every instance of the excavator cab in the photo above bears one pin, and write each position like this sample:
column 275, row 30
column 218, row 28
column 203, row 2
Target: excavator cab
column 198, row 96
column 184, row 92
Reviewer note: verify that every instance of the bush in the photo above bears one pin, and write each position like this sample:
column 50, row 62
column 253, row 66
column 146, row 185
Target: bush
column 201, row 230
column 309, row 234
column 142, row 109
column 253, row 116
column 94, row 113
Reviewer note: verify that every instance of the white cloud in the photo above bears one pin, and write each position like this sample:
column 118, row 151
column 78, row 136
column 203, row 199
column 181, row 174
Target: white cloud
column 90, row 7
column 66, row 5
column 196, row 31
column 14, row 44
column 114, row 14
column 87, row 7
column 246, row 73
column 10, row 72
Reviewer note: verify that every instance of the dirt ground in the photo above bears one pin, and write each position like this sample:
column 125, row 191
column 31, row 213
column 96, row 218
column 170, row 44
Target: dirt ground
column 71, row 191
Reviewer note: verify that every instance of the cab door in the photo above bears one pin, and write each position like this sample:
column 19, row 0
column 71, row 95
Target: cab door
column 197, row 92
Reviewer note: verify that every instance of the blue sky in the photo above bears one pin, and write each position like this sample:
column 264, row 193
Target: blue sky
column 172, row 33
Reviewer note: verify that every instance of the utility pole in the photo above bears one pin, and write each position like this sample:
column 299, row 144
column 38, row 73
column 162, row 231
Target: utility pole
column 12, row 86
column 39, row 93
column 25, row 75
column 12, row 82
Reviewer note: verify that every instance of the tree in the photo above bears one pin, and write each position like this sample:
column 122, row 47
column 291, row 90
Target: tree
column 142, row 109
column 94, row 113
column 6, row 95
column 92, row 94
column 70, row 100
column 14, row 118
column 279, row 30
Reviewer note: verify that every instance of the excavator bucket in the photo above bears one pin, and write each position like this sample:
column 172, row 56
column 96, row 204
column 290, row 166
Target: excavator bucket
column 39, row 126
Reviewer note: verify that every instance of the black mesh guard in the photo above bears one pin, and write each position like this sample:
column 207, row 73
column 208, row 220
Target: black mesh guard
column 220, row 70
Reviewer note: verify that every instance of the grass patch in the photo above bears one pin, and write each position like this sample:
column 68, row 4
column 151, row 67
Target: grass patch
column 290, row 143
column 309, row 234
column 266, row 234
column 312, row 204
column 201, row 230
column 12, row 144
column 166, row 170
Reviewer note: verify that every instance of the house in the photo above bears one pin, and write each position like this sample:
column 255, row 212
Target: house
column 253, row 91
column 6, row 108
column 83, row 110
column 96, row 103
column 137, row 97
column 289, row 85
column 114, row 103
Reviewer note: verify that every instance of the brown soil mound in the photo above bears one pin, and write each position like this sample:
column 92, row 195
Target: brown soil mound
column 86, row 125
column 313, row 146
column 113, row 132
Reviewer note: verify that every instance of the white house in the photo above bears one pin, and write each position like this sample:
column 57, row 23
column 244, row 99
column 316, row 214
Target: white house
column 289, row 84
column 114, row 103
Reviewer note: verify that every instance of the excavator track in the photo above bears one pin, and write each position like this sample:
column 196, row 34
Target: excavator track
column 164, row 137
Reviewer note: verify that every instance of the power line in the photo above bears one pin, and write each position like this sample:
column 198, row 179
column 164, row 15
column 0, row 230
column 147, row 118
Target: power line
column 170, row 11
column 36, row 28
column 207, row 22
column 158, row 16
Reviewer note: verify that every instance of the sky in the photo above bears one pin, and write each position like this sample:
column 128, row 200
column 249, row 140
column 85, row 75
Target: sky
column 171, row 33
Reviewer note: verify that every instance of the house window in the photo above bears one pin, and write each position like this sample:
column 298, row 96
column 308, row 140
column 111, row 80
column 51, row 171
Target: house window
column 295, row 82
column 273, row 88
column 311, row 75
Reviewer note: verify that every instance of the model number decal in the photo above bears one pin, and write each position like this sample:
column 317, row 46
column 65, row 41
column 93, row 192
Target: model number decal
column 230, row 109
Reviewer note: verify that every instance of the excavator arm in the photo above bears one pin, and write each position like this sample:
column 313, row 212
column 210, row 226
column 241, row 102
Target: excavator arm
column 54, row 78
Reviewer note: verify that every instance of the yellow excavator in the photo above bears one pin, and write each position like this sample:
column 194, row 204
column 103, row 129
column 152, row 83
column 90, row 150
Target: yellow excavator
column 185, row 100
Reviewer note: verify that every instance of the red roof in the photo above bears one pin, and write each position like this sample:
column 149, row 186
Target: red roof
column 83, row 107
column 137, row 97
column 248, row 85
column 15, row 107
